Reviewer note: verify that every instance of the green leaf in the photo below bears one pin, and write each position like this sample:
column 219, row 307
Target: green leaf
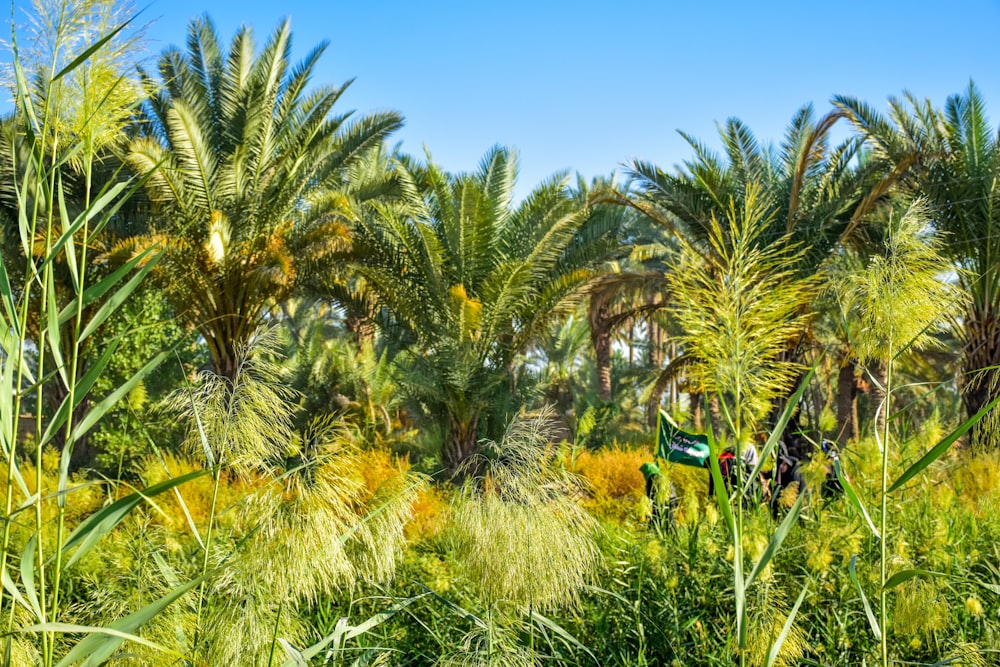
column 79, row 629
column 83, row 386
column 70, row 230
column 722, row 495
column 82, row 58
column 71, row 263
column 11, row 588
column 295, row 657
column 53, row 334
column 455, row 609
column 772, row 655
column 864, row 600
column 560, row 632
column 343, row 632
column 906, row 575
column 786, row 415
column 99, row 524
column 854, row 498
column 993, row 588
column 109, row 401
column 776, row 539
column 117, row 299
column 100, row 288
column 28, row 575
column 102, row 642
column 939, row 449
column 7, row 294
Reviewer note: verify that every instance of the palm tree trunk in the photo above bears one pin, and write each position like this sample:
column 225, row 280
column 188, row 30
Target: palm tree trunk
column 462, row 442
column 362, row 329
column 978, row 386
column 694, row 403
column 655, row 343
column 847, row 403
column 600, row 336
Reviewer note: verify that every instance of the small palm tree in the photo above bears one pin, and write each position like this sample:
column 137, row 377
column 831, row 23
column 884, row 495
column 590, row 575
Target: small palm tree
column 241, row 139
column 471, row 278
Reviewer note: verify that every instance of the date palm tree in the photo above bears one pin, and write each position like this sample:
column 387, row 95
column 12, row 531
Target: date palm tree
column 810, row 191
column 472, row 278
column 240, row 140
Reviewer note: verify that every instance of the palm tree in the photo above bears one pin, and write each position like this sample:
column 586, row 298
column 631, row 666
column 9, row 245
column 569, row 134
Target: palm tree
column 810, row 191
column 241, row 139
column 472, row 279
column 813, row 194
column 953, row 159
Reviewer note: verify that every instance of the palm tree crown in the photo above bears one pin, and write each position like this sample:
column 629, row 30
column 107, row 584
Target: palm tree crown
column 239, row 138
column 473, row 278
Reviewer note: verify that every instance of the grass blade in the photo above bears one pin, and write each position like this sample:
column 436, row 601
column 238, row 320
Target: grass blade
column 939, row 449
column 77, row 629
column 102, row 642
column 11, row 587
column 559, row 631
column 28, row 576
column 99, row 524
column 854, row 498
column 100, row 288
column 864, row 600
column 89, row 51
column 117, row 299
column 786, row 628
column 906, row 575
column 776, row 539
column 786, row 415
column 99, row 410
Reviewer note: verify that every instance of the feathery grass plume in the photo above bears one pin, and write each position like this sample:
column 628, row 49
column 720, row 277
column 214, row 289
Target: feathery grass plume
column 766, row 623
column 241, row 628
column 241, row 424
column 519, row 532
column 316, row 528
column 966, row 654
column 902, row 298
column 740, row 305
column 137, row 553
column 920, row 609
column 95, row 101
column 23, row 652
column 493, row 646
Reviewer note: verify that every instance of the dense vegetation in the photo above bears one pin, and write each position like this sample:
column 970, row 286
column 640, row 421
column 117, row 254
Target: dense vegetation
column 274, row 393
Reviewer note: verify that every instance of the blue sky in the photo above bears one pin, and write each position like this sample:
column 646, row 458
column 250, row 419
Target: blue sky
column 588, row 85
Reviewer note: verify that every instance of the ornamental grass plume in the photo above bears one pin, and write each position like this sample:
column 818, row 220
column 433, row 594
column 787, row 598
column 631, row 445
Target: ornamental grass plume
column 313, row 525
column 766, row 623
column 901, row 298
column 242, row 423
column 900, row 301
column 518, row 530
column 740, row 305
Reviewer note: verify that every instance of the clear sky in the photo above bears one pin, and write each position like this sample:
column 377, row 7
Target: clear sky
column 587, row 85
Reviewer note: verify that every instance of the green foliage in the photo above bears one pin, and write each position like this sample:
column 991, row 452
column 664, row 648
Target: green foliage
column 902, row 297
column 740, row 307
column 234, row 144
column 474, row 279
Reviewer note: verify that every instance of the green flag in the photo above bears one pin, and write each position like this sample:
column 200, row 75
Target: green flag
column 679, row 446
